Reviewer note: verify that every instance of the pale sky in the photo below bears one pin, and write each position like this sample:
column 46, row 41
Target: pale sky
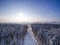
column 29, row 11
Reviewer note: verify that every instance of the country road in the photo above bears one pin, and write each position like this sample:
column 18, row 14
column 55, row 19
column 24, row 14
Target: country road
column 29, row 38
column 29, row 30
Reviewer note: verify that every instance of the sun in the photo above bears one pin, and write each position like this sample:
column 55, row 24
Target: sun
column 21, row 15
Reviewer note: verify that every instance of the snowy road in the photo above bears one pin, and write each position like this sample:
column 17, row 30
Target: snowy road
column 29, row 38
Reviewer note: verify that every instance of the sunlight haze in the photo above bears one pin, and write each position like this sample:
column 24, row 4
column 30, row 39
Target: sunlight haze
column 29, row 11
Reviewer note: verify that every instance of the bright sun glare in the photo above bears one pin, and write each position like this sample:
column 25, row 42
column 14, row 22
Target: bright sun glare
column 22, row 17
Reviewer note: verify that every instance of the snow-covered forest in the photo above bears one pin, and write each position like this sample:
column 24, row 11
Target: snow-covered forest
column 31, row 34
column 12, row 34
column 47, row 34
